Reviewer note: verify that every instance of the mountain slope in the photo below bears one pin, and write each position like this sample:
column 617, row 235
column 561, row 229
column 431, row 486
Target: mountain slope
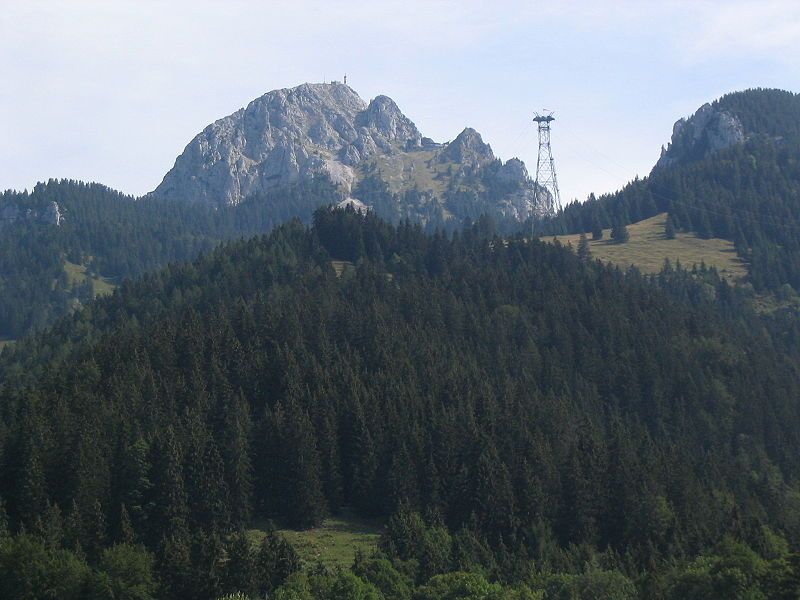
column 291, row 135
column 648, row 248
column 731, row 172
column 523, row 398
column 69, row 240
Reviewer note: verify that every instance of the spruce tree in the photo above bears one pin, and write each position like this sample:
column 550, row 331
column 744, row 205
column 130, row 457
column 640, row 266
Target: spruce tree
column 584, row 253
column 302, row 485
column 619, row 233
column 597, row 230
column 241, row 569
column 669, row 228
column 4, row 526
column 238, row 464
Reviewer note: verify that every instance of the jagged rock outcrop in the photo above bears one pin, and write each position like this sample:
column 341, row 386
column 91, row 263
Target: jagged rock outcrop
column 521, row 202
column 355, row 204
column 467, row 149
column 290, row 135
column 389, row 126
column 708, row 131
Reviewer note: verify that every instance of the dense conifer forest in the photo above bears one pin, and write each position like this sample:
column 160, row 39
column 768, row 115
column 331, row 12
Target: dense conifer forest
column 116, row 237
column 748, row 193
column 531, row 424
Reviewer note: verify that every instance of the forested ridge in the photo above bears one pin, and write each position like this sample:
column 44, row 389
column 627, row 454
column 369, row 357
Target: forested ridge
column 116, row 237
column 748, row 193
column 538, row 420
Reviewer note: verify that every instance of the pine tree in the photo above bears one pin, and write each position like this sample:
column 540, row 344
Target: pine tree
column 126, row 533
column 584, row 253
column 97, row 529
column 275, row 562
column 364, row 468
column 32, row 489
column 619, row 233
column 669, row 228
column 597, row 230
column 74, row 534
column 4, row 528
column 241, row 570
column 401, row 481
column 170, row 508
column 238, row 465
column 302, row 486
column 52, row 529
column 175, row 565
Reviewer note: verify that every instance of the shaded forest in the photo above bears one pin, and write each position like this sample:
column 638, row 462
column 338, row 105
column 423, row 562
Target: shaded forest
column 519, row 413
column 117, row 237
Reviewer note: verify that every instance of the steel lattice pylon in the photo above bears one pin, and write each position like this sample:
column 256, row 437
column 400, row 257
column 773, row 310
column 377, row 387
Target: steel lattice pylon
column 548, row 199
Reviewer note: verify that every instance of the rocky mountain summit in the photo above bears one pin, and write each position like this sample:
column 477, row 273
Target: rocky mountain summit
column 709, row 130
column 290, row 135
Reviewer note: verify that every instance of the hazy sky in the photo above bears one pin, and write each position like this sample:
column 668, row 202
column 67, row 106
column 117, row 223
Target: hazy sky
column 112, row 90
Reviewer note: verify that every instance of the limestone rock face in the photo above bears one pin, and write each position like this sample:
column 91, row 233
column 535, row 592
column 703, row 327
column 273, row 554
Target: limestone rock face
column 468, row 149
column 708, row 131
column 52, row 214
column 388, row 126
column 291, row 135
column 283, row 136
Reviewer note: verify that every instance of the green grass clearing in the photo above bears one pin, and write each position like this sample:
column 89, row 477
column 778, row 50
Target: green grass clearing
column 334, row 543
column 341, row 265
column 648, row 247
column 420, row 169
column 4, row 342
column 406, row 170
column 77, row 274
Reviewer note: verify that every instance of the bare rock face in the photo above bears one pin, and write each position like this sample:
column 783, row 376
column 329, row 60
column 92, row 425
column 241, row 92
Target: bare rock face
column 467, row 149
column 388, row 126
column 283, row 136
column 51, row 215
column 291, row 135
column 708, row 131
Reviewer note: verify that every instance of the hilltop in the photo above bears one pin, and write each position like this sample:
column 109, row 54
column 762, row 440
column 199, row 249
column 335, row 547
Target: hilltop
column 730, row 173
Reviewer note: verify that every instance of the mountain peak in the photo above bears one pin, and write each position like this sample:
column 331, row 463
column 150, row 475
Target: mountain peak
column 384, row 116
column 707, row 131
column 326, row 129
column 733, row 119
column 282, row 137
column 468, row 148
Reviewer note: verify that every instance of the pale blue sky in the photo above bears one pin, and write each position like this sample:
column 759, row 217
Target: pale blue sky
column 112, row 90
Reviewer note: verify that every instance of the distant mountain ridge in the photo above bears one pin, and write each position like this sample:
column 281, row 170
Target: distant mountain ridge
column 289, row 136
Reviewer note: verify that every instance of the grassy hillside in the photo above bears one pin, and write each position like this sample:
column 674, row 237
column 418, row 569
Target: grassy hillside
column 417, row 169
column 335, row 542
column 648, row 247
column 406, row 170
column 77, row 274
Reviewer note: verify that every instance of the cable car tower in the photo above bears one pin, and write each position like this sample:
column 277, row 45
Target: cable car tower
column 548, row 199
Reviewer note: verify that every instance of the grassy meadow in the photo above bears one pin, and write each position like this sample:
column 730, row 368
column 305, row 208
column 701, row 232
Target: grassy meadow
column 648, row 248
column 334, row 543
